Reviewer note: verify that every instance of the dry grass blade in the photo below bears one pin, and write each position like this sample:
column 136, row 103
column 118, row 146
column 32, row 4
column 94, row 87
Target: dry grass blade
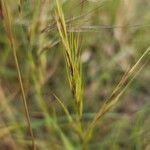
column 8, row 28
column 105, row 27
column 116, row 94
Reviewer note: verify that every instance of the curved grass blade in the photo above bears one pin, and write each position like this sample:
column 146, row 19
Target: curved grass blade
column 116, row 94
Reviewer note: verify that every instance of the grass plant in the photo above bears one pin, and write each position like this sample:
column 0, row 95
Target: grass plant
column 70, row 109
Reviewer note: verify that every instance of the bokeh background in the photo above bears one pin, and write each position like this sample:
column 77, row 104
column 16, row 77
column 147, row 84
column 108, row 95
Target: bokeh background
column 114, row 33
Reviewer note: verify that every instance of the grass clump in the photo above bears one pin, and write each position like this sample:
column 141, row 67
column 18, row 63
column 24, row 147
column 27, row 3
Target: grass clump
column 98, row 45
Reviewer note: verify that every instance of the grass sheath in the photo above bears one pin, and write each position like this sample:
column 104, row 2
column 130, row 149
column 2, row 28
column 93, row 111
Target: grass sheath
column 8, row 28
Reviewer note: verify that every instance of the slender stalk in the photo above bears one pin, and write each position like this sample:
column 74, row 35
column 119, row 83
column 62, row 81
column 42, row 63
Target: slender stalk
column 23, row 95
column 8, row 28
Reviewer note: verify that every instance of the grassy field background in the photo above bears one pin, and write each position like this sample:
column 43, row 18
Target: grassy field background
column 74, row 74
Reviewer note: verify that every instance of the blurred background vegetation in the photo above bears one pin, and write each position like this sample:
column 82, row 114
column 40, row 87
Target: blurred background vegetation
column 114, row 34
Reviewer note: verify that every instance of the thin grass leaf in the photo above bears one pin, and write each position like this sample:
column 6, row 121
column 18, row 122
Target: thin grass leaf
column 67, row 144
column 115, row 97
column 64, row 108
